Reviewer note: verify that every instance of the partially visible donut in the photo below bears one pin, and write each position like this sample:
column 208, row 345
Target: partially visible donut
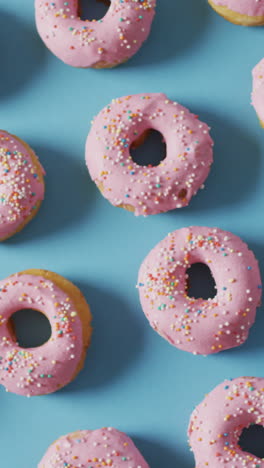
column 148, row 190
column 94, row 44
column 244, row 12
column 21, row 184
column 258, row 91
column 93, row 449
column 47, row 368
column 218, row 421
column 197, row 325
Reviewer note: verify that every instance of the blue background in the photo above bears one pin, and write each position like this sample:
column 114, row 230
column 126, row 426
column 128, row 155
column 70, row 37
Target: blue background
column 133, row 379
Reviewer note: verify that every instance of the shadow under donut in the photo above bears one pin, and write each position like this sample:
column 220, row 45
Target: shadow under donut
column 158, row 455
column 68, row 196
column 117, row 339
column 22, row 53
column 170, row 33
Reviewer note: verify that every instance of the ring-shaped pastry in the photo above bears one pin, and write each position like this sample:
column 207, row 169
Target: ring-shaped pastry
column 94, row 449
column 22, row 184
column 94, row 44
column 197, row 325
column 47, row 368
column 147, row 190
column 243, row 12
column 218, row 422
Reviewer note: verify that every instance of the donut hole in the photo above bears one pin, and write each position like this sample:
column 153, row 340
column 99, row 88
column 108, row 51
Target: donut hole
column 252, row 440
column 30, row 328
column 148, row 149
column 200, row 283
column 93, row 9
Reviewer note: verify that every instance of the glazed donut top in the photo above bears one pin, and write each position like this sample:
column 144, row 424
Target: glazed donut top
column 201, row 326
column 217, row 423
column 110, row 41
column 20, row 186
column 258, row 89
column 149, row 190
column 35, row 371
column 244, row 7
column 93, row 449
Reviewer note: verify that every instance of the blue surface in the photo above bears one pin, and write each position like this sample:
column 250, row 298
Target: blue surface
column 133, row 379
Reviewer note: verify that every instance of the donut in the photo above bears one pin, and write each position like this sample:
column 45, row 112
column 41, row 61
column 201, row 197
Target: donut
column 21, row 184
column 244, row 12
column 200, row 326
column 258, row 91
column 47, row 368
column 93, row 449
column 217, row 424
column 147, row 190
column 94, row 44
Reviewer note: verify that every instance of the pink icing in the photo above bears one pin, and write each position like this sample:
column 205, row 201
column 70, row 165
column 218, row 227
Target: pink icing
column 112, row 40
column 149, row 190
column 42, row 370
column 258, row 89
column 244, row 7
column 197, row 325
column 20, row 186
column 93, row 449
column 217, row 423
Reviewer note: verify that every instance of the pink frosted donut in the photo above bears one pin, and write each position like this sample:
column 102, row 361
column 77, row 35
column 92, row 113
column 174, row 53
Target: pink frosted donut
column 42, row 370
column 147, row 190
column 93, row 449
column 217, row 423
column 258, row 90
column 21, row 184
column 245, row 12
column 94, row 44
column 197, row 325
